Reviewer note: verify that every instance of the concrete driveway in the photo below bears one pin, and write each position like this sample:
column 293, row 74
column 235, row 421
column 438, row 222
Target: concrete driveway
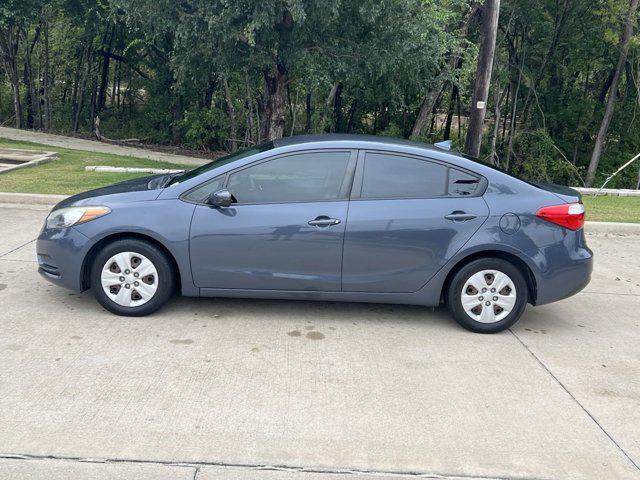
column 273, row 390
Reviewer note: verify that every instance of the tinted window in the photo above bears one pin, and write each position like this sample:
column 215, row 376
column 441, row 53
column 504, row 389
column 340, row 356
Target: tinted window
column 394, row 176
column 200, row 194
column 305, row 177
column 247, row 152
column 462, row 183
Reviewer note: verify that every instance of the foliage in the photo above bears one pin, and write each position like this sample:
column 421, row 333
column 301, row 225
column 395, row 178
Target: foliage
column 537, row 158
column 219, row 74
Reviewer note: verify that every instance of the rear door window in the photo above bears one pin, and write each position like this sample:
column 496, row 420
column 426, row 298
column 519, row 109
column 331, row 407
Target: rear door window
column 388, row 175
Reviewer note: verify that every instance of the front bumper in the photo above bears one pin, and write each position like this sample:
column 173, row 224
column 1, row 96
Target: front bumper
column 60, row 254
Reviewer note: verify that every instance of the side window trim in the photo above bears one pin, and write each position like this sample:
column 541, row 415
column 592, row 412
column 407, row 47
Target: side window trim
column 345, row 188
column 356, row 192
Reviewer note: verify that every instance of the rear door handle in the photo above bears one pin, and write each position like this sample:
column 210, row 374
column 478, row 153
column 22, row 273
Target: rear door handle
column 323, row 221
column 459, row 216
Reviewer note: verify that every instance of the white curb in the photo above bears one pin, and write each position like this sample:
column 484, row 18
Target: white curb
column 103, row 168
column 31, row 198
column 615, row 192
column 611, row 228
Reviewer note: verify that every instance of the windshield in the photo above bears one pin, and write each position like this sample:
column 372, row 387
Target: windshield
column 246, row 152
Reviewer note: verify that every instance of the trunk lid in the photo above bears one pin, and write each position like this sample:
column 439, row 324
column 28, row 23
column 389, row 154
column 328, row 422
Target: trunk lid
column 566, row 194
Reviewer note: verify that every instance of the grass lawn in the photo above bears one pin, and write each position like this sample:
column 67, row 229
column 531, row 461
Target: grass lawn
column 67, row 175
column 612, row 209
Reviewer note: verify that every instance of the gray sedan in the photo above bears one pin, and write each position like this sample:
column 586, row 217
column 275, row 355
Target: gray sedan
column 334, row 217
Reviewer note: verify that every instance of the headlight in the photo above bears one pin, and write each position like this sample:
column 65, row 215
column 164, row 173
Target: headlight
column 67, row 217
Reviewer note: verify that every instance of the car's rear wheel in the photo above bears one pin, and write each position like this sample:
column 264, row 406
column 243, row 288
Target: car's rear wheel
column 487, row 295
column 132, row 277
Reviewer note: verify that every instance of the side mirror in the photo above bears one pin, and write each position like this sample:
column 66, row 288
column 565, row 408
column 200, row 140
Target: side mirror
column 220, row 198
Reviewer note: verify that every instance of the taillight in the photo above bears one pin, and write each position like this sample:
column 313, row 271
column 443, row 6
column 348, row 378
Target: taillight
column 569, row 215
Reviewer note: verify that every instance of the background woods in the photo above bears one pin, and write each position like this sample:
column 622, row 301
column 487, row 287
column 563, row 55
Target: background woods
column 561, row 78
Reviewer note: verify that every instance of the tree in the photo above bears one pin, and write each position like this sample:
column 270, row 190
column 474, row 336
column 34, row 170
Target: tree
column 490, row 15
column 613, row 89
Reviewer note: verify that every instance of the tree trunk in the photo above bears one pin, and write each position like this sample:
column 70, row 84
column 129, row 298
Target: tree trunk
column 307, row 124
column 46, row 84
column 8, row 57
column 104, row 75
column 425, row 111
column 452, row 103
column 233, row 123
column 275, row 81
column 176, row 115
column 337, row 109
column 352, row 116
column 30, row 83
column 611, row 99
column 491, row 12
column 15, row 89
column 514, row 102
column 330, row 100
column 498, row 97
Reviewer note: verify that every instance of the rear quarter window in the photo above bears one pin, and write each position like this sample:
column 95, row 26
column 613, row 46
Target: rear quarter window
column 462, row 184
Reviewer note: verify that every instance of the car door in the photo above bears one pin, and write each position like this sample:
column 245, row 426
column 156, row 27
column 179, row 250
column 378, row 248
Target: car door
column 284, row 231
column 408, row 216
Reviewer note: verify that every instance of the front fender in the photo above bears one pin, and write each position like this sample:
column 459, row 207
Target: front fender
column 164, row 222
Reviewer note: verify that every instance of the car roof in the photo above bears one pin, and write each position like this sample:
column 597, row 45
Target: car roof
column 350, row 140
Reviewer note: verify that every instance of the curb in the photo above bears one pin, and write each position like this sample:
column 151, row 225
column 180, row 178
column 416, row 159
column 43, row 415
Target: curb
column 46, row 157
column 613, row 192
column 611, row 228
column 100, row 168
column 31, row 198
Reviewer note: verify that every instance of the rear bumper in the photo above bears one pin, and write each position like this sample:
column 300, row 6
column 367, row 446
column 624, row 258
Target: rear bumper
column 60, row 254
column 562, row 272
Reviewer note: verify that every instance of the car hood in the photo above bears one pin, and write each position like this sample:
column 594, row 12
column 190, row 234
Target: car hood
column 134, row 190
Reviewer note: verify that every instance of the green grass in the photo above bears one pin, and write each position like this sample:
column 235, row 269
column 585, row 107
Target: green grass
column 67, row 175
column 612, row 209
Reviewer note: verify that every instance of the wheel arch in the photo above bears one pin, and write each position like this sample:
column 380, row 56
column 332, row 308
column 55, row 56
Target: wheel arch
column 512, row 258
column 85, row 272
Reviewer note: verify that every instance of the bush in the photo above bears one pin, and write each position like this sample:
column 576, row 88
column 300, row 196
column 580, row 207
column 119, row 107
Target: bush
column 204, row 128
column 536, row 158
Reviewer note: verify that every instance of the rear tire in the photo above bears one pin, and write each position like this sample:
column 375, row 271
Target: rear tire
column 487, row 295
column 132, row 277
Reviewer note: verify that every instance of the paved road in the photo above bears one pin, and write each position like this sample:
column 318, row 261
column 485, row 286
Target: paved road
column 226, row 389
column 95, row 146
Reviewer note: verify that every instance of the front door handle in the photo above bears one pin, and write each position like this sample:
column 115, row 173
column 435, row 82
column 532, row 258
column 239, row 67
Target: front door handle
column 323, row 221
column 460, row 216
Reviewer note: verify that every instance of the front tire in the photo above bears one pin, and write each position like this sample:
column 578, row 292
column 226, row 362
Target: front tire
column 487, row 295
column 132, row 277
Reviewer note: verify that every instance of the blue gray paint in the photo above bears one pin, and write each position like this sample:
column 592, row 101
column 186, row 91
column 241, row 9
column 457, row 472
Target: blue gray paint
column 394, row 250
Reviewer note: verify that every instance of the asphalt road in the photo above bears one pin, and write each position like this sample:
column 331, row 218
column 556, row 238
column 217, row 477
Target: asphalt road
column 273, row 390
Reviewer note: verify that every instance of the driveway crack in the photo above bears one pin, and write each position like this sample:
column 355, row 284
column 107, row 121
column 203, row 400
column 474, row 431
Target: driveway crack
column 198, row 465
column 584, row 409
column 17, row 248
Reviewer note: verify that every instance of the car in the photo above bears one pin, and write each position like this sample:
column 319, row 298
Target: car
column 331, row 218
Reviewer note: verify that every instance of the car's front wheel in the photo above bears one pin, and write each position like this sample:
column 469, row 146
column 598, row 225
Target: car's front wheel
column 487, row 295
column 132, row 277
